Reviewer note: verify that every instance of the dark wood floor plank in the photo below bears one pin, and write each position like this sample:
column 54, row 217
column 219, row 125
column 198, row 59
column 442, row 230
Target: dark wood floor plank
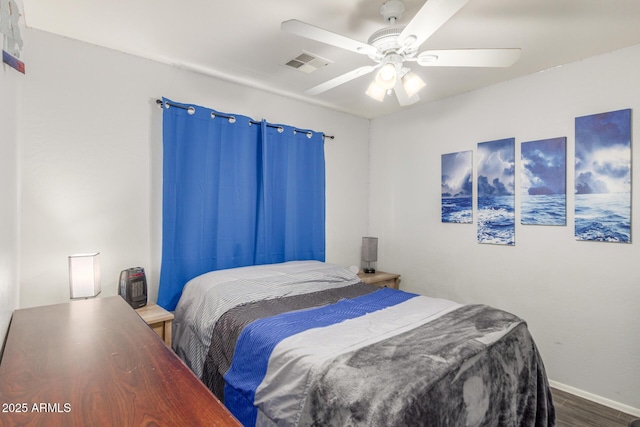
column 574, row 411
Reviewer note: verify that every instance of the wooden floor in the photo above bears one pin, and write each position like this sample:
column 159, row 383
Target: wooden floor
column 574, row 411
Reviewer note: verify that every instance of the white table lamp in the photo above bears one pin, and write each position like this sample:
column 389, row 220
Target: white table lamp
column 84, row 275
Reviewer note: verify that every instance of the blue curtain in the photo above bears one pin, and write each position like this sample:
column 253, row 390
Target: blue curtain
column 236, row 192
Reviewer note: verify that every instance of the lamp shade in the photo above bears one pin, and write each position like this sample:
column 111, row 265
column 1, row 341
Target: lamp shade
column 387, row 75
column 84, row 275
column 412, row 83
column 369, row 249
column 376, row 92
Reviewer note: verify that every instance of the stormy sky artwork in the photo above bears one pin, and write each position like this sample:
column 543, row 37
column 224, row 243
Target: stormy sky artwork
column 496, row 168
column 457, row 187
column 543, row 182
column 496, row 192
column 603, row 177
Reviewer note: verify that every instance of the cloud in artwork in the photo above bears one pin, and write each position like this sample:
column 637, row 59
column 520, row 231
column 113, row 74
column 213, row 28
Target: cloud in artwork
column 457, row 174
column 587, row 183
column 543, row 167
column 495, row 188
column 603, row 153
column 496, row 167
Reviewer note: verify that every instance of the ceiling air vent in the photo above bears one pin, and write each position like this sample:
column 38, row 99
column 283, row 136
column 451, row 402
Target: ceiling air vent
column 307, row 62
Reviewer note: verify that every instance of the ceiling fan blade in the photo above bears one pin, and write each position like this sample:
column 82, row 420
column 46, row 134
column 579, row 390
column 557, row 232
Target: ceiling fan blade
column 432, row 15
column 469, row 58
column 354, row 74
column 403, row 98
column 309, row 31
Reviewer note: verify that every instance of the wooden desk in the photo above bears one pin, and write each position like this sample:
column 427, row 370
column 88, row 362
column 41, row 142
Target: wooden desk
column 96, row 363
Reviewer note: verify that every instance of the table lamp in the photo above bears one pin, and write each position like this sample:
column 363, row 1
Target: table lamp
column 84, row 275
column 369, row 253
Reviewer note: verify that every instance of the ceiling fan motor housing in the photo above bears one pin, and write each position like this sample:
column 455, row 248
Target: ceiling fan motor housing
column 386, row 39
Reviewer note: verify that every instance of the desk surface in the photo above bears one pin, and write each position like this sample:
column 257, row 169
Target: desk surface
column 96, row 362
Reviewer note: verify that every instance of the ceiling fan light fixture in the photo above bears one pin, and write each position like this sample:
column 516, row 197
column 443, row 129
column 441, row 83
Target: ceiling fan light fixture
column 412, row 83
column 387, row 76
column 376, row 92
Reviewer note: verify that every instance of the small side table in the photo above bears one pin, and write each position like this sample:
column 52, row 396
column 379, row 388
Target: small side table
column 159, row 319
column 381, row 279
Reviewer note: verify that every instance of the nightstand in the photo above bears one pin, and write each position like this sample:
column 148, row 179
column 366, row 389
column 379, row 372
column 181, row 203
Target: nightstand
column 381, row 279
column 159, row 319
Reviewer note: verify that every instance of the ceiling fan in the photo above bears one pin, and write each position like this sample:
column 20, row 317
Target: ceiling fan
column 393, row 46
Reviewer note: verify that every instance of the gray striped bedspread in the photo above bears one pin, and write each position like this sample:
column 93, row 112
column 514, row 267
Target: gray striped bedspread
column 308, row 344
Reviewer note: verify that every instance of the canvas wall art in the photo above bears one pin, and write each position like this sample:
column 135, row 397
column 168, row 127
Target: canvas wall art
column 543, row 182
column 496, row 192
column 457, row 187
column 603, row 177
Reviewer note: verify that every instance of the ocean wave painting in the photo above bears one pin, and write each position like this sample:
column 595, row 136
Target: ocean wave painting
column 496, row 192
column 457, row 209
column 457, row 187
column 543, row 182
column 496, row 220
column 547, row 209
column 603, row 217
column 603, row 177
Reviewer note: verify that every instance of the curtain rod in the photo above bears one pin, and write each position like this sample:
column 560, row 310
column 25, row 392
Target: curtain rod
column 159, row 103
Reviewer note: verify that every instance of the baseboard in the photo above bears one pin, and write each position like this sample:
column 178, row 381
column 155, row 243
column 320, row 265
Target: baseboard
column 597, row 399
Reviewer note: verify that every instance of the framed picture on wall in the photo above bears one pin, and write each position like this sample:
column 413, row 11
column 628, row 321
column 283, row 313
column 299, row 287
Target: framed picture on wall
column 603, row 177
column 543, row 182
column 496, row 192
column 457, row 187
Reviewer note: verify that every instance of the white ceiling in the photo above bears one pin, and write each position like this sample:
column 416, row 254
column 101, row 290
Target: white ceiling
column 241, row 41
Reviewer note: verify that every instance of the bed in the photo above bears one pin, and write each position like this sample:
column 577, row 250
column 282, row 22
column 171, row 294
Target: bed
column 305, row 343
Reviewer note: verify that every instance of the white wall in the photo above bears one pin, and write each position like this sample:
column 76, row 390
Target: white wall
column 581, row 299
column 92, row 153
column 10, row 90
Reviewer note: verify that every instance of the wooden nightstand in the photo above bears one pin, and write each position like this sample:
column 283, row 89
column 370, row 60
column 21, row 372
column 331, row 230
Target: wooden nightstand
column 381, row 279
column 159, row 319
